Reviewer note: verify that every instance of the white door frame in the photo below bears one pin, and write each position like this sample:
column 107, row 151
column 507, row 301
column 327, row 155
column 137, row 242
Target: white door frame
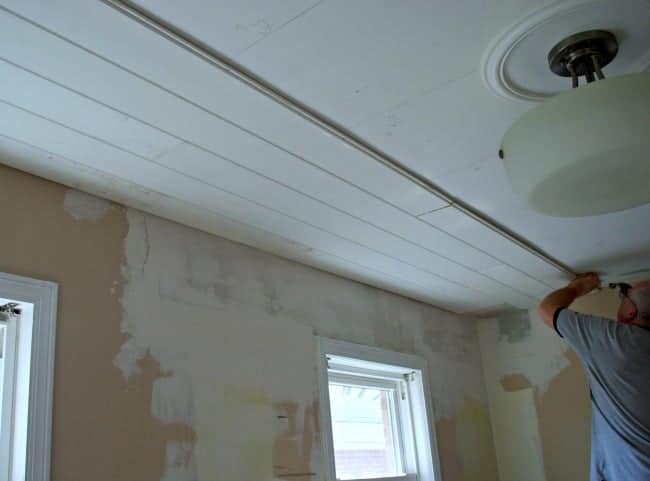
column 43, row 295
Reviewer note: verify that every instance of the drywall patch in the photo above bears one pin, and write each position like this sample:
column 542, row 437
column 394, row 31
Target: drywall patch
column 82, row 206
column 514, row 326
column 455, row 340
column 520, row 343
column 129, row 356
column 172, row 399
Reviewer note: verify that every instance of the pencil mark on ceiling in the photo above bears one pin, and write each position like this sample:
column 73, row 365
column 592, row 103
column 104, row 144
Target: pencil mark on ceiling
column 280, row 27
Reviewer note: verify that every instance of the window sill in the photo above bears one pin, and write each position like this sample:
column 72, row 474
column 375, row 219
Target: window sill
column 403, row 477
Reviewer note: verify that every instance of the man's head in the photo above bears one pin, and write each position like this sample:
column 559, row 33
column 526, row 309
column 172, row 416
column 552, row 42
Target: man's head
column 635, row 305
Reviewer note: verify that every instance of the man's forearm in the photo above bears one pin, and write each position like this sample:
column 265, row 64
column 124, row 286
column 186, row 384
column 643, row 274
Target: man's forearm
column 555, row 300
column 578, row 287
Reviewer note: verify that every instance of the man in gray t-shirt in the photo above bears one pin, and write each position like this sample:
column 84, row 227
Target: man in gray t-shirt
column 616, row 356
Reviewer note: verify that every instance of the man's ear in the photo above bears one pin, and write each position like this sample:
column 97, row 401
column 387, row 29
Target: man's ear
column 627, row 312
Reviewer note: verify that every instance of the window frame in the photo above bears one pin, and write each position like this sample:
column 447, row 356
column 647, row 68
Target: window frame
column 38, row 350
column 420, row 453
column 398, row 417
column 7, row 397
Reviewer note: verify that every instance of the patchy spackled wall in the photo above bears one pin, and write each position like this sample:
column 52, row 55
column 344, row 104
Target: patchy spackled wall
column 233, row 330
column 103, row 428
column 182, row 356
column 538, row 395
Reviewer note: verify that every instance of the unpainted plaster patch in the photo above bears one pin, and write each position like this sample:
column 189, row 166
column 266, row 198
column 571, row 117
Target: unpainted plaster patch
column 458, row 342
column 514, row 326
column 520, row 343
column 128, row 358
column 172, row 397
column 82, row 206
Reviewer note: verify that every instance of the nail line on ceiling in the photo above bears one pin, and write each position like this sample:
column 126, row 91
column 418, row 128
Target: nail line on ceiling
column 198, row 48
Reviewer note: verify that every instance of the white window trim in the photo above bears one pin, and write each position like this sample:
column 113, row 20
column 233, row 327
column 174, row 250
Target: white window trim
column 419, row 393
column 7, row 399
column 43, row 296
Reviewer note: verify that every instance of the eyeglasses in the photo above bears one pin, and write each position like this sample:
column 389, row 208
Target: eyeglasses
column 622, row 287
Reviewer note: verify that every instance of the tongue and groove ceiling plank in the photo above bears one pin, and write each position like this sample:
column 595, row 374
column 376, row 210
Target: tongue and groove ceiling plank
column 84, row 85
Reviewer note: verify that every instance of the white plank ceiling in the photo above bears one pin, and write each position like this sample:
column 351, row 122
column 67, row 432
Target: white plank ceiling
column 95, row 100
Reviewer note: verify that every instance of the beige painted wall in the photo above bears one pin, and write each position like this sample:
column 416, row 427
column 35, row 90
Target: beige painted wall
column 177, row 350
column 538, row 395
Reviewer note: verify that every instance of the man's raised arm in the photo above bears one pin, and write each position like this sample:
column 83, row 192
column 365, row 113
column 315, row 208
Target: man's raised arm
column 564, row 297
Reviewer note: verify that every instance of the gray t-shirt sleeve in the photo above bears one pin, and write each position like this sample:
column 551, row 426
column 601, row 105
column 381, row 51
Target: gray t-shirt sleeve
column 584, row 333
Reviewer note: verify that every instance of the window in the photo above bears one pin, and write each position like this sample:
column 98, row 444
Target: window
column 9, row 314
column 375, row 410
column 365, row 411
column 27, row 331
column 3, row 358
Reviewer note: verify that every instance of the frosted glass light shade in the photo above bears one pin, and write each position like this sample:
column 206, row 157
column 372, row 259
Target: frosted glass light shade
column 585, row 151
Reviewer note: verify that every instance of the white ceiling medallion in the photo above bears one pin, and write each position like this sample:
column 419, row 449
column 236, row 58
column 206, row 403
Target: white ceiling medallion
column 584, row 151
column 515, row 65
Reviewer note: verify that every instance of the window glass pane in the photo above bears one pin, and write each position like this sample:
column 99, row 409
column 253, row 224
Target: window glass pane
column 362, row 428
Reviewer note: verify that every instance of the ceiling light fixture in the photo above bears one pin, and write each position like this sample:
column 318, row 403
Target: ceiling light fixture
column 585, row 151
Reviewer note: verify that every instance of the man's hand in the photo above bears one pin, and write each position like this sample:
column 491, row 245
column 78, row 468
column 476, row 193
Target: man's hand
column 585, row 283
column 579, row 287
